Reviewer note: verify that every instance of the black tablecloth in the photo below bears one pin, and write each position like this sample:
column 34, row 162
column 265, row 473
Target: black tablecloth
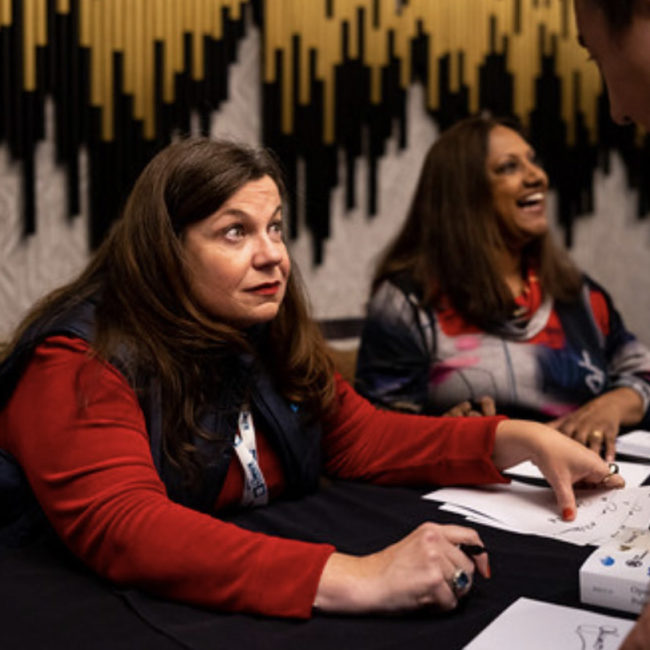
column 48, row 601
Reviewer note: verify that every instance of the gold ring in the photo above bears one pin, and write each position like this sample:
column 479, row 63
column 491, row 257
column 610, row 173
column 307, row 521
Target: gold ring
column 596, row 435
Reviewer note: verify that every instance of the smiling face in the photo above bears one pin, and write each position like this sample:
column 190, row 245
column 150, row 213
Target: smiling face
column 236, row 258
column 623, row 59
column 518, row 184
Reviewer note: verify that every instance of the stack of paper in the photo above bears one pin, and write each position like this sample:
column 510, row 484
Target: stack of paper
column 635, row 443
column 533, row 510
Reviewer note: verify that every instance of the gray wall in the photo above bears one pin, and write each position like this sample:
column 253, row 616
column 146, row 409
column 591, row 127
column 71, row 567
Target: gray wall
column 611, row 245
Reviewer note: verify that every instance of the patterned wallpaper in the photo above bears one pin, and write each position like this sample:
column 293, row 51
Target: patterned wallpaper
column 126, row 76
column 338, row 288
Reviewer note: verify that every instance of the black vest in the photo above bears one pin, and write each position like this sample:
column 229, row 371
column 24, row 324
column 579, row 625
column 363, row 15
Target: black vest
column 296, row 441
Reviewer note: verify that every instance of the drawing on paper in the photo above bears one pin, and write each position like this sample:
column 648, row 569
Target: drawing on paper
column 598, row 637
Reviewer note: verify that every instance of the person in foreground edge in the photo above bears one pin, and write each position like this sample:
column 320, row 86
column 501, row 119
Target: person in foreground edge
column 474, row 302
column 180, row 375
column 617, row 34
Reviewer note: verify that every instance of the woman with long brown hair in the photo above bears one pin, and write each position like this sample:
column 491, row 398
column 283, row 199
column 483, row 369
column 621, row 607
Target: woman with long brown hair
column 180, row 376
column 474, row 303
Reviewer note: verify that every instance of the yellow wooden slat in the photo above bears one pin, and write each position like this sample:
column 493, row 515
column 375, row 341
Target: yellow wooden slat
column 170, row 46
column 209, row 7
column 85, row 22
column 158, row 20
column 128, row 28
column 136, row 15
column 5, row 13
column 40, row 26
column 198, row 63
column 454, row 18
column 236, row 12
column 119, row 25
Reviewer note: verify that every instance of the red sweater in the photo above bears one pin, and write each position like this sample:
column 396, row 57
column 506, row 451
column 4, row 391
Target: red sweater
column 89, row 463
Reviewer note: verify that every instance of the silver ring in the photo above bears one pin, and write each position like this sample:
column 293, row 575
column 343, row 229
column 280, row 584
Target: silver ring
column 613, row 468
column 461, row 582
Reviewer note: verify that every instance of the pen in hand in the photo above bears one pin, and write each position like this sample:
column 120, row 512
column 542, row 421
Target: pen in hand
column 472, row 549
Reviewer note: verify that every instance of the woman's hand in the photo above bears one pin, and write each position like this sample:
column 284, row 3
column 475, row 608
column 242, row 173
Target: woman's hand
column 415, row 572
column 561, row 460
column 597, row 423
column 482, row 406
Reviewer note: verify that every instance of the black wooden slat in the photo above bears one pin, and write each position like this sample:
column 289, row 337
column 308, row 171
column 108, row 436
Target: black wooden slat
column 27, row 149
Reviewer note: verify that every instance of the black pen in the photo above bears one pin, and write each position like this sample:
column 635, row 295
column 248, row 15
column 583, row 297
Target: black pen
column 472, row 549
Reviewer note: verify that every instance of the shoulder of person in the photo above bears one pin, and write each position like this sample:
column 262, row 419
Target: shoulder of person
column 594, row 286
column 394, row 295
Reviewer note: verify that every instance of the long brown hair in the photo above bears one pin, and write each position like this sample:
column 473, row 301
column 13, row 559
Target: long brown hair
column 145, row 305
column 449, row 240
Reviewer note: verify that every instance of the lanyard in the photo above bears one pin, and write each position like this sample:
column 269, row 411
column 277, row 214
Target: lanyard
column 255, row 491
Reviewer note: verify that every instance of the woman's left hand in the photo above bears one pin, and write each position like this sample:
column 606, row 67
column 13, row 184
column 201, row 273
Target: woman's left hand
column 482, row 406
column 561, row 460
column 597, row 423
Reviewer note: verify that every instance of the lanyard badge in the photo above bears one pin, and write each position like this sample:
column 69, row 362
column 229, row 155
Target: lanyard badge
column 255, row 490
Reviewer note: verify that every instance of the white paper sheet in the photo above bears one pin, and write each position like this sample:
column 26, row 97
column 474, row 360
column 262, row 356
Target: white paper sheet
column 635, row 443
column 633, row 473
column 533, row 510
column 535, row 625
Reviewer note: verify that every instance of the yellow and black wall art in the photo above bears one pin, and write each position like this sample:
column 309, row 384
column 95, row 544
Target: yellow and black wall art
column 126, row 76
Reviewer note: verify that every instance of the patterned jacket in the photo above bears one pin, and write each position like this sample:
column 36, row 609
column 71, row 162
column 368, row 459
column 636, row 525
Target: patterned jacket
column 539, row 366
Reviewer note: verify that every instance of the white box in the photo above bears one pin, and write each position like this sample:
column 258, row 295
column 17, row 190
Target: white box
column 617, row 574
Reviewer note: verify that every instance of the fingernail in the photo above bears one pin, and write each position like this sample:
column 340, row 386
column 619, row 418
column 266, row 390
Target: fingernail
column 567, row 514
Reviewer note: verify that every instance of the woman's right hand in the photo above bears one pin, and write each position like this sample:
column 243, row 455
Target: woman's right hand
column 563, row 461
column 415, row 572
